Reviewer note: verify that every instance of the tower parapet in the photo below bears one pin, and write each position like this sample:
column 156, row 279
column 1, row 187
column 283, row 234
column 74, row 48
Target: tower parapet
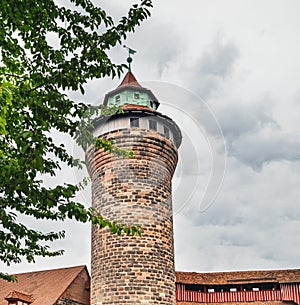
column 132, row 269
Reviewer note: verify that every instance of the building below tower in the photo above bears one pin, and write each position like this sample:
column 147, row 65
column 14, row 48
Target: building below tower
column 70, row 286
column 243, row 287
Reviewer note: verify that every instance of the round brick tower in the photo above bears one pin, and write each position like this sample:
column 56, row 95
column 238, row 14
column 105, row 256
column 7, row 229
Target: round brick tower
column 132, row 269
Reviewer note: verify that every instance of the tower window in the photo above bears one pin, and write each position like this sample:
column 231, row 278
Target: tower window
column 166, row 132
column 136, row 96
column 152, row 125
column 134, row 122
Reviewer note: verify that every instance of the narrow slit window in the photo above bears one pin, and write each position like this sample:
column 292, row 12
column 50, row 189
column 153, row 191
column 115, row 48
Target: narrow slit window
column 166, row 132
column 152, row 125
column 134, row 122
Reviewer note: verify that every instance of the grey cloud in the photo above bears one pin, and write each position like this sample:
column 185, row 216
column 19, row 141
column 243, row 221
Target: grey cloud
column 244, row 226
column 258, row 149
column 254, row 137
column 160, row 49
column 236, row 120
column 213, row 66
column 218, row 60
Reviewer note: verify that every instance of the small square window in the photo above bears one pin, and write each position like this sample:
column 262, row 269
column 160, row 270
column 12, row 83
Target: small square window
column 134, row 122
column 152, row 125
column 136, row 96
column 166, row 132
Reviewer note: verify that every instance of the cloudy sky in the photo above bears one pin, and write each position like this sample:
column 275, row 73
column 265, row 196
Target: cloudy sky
column 232, row 70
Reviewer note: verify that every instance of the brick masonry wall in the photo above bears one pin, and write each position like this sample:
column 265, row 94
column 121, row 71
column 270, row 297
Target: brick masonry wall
column 132, row 269
column 65, row 301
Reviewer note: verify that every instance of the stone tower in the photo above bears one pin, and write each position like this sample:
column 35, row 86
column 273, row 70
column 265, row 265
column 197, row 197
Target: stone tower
column 131, row 269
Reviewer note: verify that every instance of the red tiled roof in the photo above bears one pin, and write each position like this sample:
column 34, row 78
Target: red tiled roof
column 129, row 80
column 16, row 295
column 45, row 286
column 239, row 277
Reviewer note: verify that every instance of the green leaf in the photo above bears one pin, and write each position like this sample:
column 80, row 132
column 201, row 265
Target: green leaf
column 35, row 112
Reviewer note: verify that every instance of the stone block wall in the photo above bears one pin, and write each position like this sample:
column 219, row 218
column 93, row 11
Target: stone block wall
column 132, row 269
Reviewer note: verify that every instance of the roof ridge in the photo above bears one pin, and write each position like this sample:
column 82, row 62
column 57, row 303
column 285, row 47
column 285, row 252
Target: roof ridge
column 239, row 271
column 55, row 269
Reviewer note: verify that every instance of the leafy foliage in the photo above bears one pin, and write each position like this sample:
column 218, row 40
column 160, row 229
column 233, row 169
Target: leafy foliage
column 46, row 49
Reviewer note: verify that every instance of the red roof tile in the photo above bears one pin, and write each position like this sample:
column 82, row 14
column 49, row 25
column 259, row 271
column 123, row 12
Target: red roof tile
column 129, row 80
column 45, row 286
column 239, row 277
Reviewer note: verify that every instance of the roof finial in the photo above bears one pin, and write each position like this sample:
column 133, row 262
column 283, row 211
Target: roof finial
column 129, row 58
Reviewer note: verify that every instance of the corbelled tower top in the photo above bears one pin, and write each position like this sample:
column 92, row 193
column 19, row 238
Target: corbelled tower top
column 139, row 106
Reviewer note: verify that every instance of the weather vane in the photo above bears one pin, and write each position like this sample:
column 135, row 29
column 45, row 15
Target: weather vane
column 129, row 58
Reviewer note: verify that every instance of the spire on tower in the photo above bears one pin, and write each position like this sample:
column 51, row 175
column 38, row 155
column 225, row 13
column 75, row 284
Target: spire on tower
column 129, row 58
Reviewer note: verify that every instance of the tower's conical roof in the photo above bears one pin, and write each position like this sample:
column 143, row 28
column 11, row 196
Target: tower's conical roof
column 129, row 80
